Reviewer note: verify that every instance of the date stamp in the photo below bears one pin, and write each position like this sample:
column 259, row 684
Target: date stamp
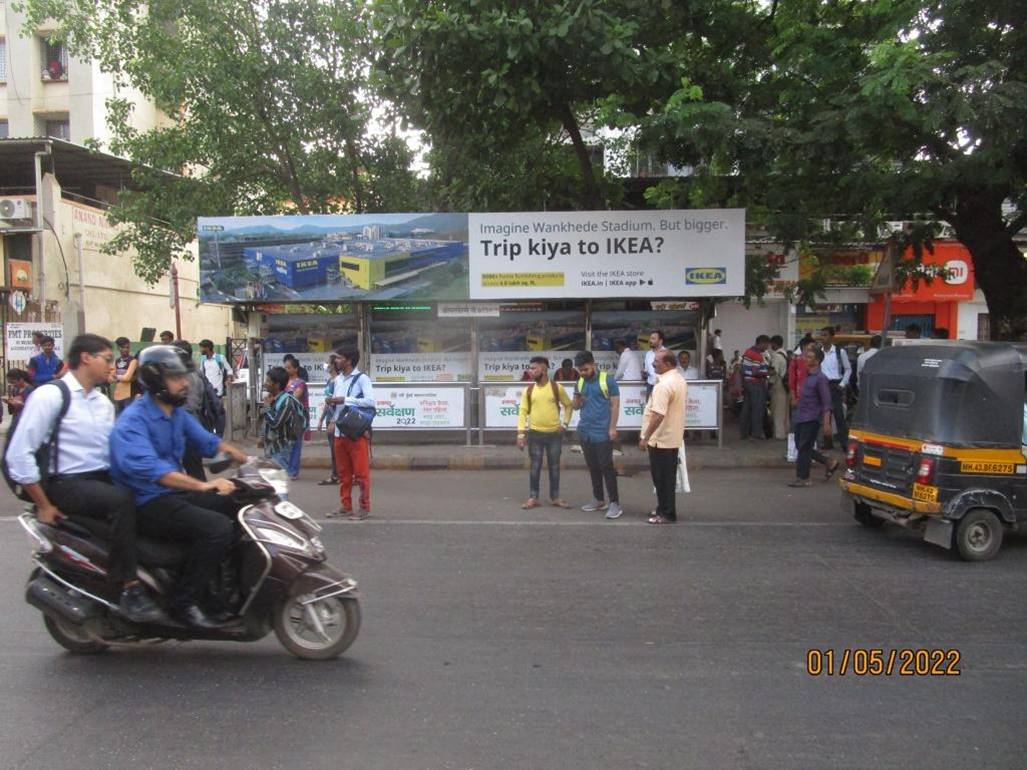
column 880, row 662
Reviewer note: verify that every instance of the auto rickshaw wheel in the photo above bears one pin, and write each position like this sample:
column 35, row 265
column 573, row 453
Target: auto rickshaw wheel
column 863, row 513
column 978, row 535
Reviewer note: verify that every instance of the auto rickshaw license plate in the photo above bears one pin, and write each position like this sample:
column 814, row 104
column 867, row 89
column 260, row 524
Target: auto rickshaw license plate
column 874, row 461
column 999, row 469
column 925, row 494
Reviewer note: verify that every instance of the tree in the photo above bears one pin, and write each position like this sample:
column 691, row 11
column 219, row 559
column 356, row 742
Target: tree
column 872, row 111
column 495, row 75
column 268, row 104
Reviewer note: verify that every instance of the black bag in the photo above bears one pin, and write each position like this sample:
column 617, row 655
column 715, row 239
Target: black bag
column 353, row 423
column 47, row 450
column 211, row 408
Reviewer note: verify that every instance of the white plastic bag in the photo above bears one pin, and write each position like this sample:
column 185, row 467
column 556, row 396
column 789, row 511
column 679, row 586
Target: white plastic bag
column 793, row 451
column 683, row 485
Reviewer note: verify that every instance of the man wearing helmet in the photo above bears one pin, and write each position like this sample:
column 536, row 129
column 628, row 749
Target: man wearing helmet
column 147, row 446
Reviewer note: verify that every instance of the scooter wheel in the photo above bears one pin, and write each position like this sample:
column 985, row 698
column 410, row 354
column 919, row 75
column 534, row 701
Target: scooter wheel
column 72, row 637
column 319, row 631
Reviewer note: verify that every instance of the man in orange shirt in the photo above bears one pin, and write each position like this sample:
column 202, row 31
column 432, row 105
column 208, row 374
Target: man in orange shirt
column 663, row 425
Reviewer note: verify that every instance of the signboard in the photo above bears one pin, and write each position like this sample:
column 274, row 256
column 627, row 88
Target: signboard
column 407, row 407
column 420, row 367
column 679, row 253
column 459, row 257
column 701, row 412
column 468, row 310
column 510, row 366
column 19, row 341
column 19, row 274
column 956, row 284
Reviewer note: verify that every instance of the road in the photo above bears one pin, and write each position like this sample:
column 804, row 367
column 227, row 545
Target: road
column 495, row 638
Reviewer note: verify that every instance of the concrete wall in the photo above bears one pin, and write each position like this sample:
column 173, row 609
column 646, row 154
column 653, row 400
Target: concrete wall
column 741, row 326
column 967, row 313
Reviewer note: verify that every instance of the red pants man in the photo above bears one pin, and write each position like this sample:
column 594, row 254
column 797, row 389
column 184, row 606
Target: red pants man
column 353, row 462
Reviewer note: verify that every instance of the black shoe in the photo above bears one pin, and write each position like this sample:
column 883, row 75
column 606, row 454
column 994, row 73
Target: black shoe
column 136, row 606
column 194, row 617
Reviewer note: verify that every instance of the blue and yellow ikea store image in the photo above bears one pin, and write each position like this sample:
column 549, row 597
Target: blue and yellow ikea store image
column 381, row 256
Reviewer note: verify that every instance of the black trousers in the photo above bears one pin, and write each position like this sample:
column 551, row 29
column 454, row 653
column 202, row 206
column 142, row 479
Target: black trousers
column 204, row 521
column 838, row 412
column 192, row 464
column 94, row 496
column 599, row 458
column 754, row 409
column 805, row 438
column 663, row 463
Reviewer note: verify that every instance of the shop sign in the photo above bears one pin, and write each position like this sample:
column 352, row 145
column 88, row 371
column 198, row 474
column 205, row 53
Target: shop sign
column 468, row 310
column 19, row 340
column 683, row 253
column 420, row 367
column 19, row 274
column 955, row 282
column 408, row 407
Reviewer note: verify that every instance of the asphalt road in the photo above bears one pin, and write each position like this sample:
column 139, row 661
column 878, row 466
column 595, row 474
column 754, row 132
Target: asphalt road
column 498, row 639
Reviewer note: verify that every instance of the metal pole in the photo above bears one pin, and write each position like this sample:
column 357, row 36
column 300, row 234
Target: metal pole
column 178, row 308
column 720, row 416
column 39, row 228
column 467, row 414
column 81, row 285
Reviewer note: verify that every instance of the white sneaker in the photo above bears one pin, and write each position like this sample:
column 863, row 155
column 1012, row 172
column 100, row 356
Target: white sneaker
column 595, row 505
column 614, row 511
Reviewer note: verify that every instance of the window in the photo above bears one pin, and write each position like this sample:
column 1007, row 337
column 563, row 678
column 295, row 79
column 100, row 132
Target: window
column 58, row 129
column 3, row 57
column 55, row 61
column 4, row 130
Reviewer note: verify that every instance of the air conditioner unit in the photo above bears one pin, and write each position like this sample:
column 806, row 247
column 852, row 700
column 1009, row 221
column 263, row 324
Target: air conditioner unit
column 15, row 209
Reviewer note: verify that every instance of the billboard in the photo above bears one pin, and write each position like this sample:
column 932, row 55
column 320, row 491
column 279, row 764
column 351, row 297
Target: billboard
column 462, row 257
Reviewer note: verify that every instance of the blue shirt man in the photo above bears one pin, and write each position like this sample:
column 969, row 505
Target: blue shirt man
column 44, row 367
column 597, row 429
column 147, row 444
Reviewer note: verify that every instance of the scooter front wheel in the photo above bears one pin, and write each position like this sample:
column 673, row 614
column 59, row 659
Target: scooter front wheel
column 72, row 637
column 320, row 630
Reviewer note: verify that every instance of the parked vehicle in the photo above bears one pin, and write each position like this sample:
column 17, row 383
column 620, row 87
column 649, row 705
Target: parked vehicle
column 275, row 577
column 938, row 444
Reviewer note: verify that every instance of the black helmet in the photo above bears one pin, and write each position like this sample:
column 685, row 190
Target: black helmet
column 155, row 363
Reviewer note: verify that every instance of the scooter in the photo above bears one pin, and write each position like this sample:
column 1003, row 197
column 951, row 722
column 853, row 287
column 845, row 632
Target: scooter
column 275, row 576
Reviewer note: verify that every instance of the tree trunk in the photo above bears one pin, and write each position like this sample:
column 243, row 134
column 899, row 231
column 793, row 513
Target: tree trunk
column 593, row 198
column 1000, row 270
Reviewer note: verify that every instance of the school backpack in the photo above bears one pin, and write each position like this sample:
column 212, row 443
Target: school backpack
column 47, row 450
column 604, row 386
column 295, row 420
column 210, row 407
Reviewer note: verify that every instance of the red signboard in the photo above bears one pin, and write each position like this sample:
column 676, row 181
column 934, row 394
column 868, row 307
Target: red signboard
column 955, row 285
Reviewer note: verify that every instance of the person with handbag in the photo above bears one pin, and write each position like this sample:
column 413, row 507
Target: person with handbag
column 353, row 396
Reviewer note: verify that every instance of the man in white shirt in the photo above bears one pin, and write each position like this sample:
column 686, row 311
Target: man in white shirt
column 685, row 367
column 76, row 481
column 214, row 368
column 866, row 355
column 628, row 367
column 838, row 370
column 352, row 390
column 656, row 345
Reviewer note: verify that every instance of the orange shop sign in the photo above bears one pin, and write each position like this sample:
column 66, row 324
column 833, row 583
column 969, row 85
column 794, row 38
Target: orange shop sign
column 955, row 284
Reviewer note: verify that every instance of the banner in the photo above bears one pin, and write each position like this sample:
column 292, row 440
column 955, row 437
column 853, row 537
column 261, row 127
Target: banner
column 20, row 347
column 406, row 407
column 510, row 366
column 420, row 367
column 693, row 253
column 461, row 257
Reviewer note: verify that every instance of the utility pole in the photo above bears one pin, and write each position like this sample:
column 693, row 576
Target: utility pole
column 174, row 301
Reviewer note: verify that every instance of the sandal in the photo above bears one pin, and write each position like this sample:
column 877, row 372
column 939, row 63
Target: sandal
column 330, row 481
column 360, row 516
column 530, row 503
column 659, row 520
column 559, row 503
column 831, row 469
column 342, row 513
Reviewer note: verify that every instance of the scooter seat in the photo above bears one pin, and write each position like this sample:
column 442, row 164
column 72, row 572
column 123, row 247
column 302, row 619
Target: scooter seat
column 151, row 552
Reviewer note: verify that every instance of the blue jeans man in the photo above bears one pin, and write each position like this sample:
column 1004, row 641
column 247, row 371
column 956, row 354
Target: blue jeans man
column 549, row 445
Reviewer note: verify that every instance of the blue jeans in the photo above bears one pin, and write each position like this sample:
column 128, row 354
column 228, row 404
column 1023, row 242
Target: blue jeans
column 293, row 466
column 551, row 444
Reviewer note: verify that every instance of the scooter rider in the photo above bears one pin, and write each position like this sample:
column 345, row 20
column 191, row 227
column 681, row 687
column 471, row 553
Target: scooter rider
column 147, row 446
column 81, row 487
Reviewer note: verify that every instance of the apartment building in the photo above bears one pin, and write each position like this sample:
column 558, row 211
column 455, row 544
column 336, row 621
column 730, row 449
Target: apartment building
column 44, row 92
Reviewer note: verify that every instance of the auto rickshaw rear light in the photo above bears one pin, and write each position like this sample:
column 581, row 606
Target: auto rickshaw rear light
column 925, row 473
column 850, row 454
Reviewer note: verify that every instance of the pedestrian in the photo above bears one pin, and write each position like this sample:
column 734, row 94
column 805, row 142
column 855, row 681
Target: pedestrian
column 166, row 338
column 797, row 373
column 779, row 387
column 37, row 343
column 663, row 425
column 302, row 370
column 688, row 372
column 352, row 391
column 215, row 369
column 544, row 412
column 597, row 397
column 814, row 407
column 838, row 370
column 628, row 367
column 18, row 389
column 566, row 372
column 283, row 417
column 327, row 420
column 200, row 404
column 46, row 366
column 866, row 355
column 124, row 374
column 913, row 332
column 806, row 340
column 715, row 340
column 298, row 387
column 755, row 374
column 716, row 366
column 657, row 344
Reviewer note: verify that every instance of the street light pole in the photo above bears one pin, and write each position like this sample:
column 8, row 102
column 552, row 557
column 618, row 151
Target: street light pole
column 175, row 301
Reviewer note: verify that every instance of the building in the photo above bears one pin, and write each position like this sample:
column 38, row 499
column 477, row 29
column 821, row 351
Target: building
column 298, row 266
column 46, row 92
column 376, row 264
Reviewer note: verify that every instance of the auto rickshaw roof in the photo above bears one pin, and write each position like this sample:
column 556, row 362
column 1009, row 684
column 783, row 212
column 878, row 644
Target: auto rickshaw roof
column 953, row 393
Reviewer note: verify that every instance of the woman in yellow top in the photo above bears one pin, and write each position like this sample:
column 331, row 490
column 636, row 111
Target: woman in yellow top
column 545, row 412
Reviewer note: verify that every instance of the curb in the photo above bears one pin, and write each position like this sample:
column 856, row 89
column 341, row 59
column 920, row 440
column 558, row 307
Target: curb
column 386, row 462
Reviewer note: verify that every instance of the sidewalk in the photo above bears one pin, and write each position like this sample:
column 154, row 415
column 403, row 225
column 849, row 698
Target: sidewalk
column 435, row 457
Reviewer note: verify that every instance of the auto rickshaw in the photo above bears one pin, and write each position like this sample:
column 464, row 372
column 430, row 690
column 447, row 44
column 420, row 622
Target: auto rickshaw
column 937, row 443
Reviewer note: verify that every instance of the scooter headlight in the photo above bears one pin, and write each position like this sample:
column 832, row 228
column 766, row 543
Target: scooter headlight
column 277, row 478
column 284, row 539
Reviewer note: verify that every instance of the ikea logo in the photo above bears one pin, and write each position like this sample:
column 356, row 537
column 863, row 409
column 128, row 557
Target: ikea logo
column 706, row 275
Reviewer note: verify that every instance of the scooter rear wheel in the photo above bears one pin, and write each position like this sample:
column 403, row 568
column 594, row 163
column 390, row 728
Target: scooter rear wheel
column 72, row 637
column 319, row 631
